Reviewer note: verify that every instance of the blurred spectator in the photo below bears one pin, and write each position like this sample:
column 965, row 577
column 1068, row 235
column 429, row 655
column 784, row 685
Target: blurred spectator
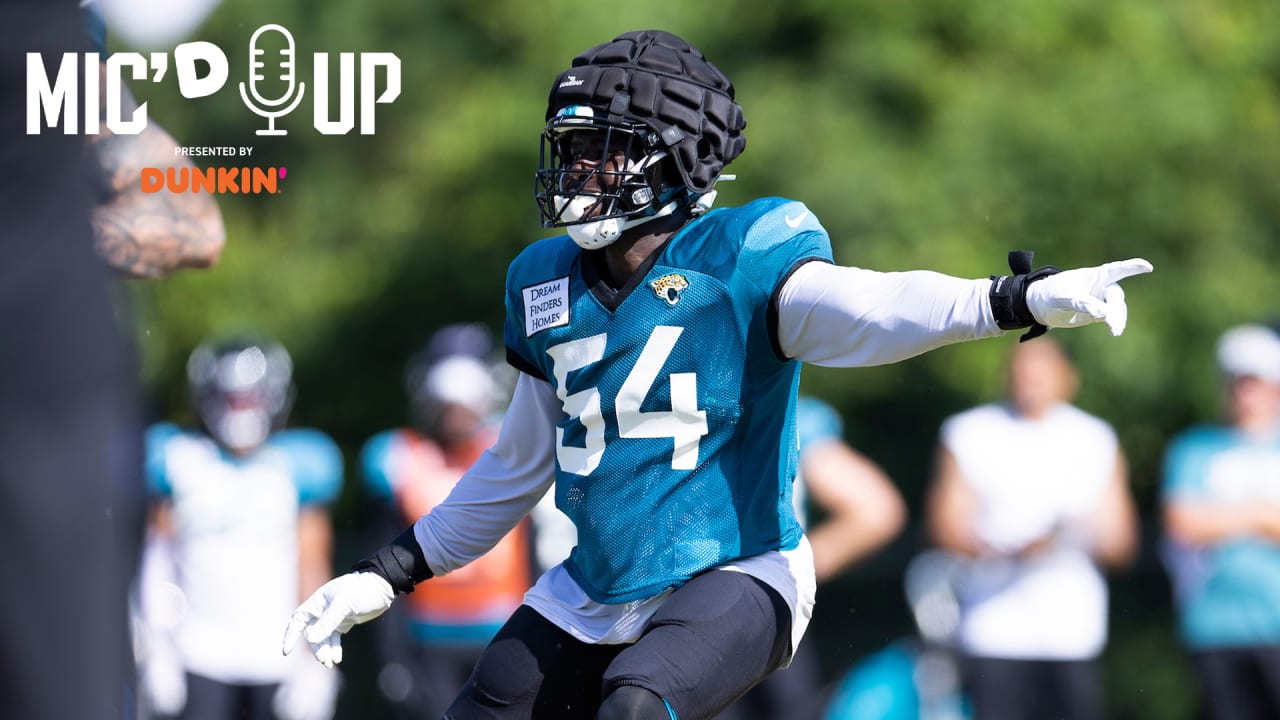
column 241, row 504
column 862, row 510
column 1035, row 492
column 1222, row 519
column 430, row 643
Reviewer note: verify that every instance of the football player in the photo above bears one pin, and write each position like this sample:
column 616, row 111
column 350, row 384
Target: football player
column 1033, row 605
column 659, row 345
column 1222, row 525
column 242, row 503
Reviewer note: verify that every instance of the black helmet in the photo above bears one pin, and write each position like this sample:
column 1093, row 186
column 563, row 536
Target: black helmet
column 654, row 97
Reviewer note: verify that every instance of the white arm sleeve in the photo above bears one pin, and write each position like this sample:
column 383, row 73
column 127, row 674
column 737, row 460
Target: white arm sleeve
column 501, row 487
column 850, row 317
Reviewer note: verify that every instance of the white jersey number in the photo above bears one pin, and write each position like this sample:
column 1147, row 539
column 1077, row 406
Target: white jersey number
column 684, row 423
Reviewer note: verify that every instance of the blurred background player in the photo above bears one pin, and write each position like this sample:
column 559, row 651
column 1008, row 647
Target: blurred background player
column 432, row 641
column 240, row 503
column 861, row 511
column 1035, row 492
column 1221, row 497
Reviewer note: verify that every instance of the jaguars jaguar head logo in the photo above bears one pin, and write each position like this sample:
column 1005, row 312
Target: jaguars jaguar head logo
column 669, row 287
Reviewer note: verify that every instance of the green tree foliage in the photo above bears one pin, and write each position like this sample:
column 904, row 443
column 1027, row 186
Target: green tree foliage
column 936, row 134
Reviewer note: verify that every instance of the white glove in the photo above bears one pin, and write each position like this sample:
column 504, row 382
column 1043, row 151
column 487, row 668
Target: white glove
column 310, row 692
column 1086, row 295
column 334, row 609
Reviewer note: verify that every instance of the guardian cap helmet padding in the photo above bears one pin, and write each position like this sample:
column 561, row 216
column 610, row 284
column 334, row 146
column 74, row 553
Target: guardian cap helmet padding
column 652, row 98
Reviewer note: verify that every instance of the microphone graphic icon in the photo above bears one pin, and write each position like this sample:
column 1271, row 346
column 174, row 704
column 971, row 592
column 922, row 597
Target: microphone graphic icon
column 288, row 74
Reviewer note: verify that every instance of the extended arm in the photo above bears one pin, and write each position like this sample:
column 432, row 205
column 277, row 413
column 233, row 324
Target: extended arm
column 851, row 317
column 148, row 235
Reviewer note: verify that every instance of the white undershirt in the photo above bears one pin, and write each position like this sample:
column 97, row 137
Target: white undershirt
column 827, row 315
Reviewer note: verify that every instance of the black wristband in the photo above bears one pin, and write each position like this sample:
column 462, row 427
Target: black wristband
column 401, row 563
column 1009, row 294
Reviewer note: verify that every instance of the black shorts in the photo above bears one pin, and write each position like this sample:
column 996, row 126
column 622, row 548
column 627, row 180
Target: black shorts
column 709, row 643
column 1239, row 683
column 1002, row 689
column 209, row 699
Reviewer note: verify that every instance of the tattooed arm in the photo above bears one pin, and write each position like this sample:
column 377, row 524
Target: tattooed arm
column 148, row 235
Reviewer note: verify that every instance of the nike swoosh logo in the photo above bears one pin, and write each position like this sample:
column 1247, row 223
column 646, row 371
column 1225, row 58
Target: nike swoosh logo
column 794, row 222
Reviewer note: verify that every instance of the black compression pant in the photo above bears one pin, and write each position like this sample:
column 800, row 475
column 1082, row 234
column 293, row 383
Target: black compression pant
column 711, row 641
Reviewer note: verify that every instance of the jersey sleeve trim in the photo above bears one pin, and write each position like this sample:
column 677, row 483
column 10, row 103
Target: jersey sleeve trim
column 517, row 361
column 316, row 462
column 772, row 311
column 157, row 444
column 376, row 464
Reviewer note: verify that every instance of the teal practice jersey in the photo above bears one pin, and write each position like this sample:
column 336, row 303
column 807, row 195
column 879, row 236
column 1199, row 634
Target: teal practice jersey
column 677, row 448
column 1228, row 592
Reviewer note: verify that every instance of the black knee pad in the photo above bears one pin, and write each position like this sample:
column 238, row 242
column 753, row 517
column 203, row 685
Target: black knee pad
column 630, row 702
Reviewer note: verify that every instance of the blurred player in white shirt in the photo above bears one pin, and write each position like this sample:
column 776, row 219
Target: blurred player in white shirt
column 1035, row 492
column 241, row 504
